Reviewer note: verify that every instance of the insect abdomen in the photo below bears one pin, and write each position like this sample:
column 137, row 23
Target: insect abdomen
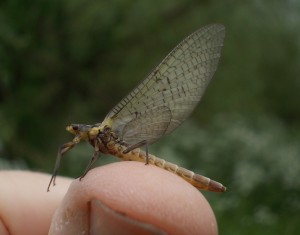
column 198, row 181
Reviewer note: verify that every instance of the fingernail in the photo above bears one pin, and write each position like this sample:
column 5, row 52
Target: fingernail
column 104, row 220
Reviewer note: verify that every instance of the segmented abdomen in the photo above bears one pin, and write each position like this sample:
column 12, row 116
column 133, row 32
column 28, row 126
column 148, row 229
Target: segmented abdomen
column 198, row 181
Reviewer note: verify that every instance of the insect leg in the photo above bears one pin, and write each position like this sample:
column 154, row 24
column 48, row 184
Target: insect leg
column 147, row 154
column 61, row 151
column 137, row 145
column 95, row 157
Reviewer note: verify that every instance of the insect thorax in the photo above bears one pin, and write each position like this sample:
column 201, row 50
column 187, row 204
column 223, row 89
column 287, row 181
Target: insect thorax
column 106, row 141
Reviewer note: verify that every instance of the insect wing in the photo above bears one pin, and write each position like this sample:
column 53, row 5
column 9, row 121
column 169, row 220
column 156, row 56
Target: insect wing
column 167, row 96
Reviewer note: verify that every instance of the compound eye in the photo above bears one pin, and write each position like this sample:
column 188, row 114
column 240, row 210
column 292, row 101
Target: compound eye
column 73, row 128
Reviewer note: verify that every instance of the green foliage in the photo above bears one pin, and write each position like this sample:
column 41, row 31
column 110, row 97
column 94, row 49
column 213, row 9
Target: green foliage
column 70, row 61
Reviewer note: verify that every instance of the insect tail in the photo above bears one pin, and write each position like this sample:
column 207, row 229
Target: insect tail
column 198, row 181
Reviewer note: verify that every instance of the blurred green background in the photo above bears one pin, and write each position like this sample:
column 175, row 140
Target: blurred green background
column 71, row 61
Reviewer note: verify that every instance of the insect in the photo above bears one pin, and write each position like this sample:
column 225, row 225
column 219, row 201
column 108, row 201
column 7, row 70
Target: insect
column 155, row 107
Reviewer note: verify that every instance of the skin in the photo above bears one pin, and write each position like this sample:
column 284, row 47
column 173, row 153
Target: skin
column 125, row 196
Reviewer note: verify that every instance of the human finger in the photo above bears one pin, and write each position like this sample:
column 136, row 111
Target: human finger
column 25, row 205
column 126, row 196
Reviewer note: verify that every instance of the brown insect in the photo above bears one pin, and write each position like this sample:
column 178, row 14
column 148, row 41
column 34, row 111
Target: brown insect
column 159, row 104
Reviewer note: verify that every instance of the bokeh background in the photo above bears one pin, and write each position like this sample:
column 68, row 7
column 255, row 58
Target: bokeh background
column 71, row 61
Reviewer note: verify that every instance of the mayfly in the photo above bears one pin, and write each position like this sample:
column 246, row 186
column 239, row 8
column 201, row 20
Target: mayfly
column 155, row 107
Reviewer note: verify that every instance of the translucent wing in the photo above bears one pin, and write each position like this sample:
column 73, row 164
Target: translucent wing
column 167, row 96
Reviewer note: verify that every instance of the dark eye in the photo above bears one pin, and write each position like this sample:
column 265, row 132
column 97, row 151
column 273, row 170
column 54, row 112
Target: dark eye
column 75, row 127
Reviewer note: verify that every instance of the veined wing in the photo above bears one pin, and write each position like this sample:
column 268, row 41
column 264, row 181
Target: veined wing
column 167, row 96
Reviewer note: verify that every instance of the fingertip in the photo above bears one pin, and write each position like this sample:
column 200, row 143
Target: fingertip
column 145, row 194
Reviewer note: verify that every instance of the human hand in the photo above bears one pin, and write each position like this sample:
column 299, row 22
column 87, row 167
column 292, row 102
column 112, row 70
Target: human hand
column 119, row 198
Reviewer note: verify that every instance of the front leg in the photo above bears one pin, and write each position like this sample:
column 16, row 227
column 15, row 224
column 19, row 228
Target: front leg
column 61, row 151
